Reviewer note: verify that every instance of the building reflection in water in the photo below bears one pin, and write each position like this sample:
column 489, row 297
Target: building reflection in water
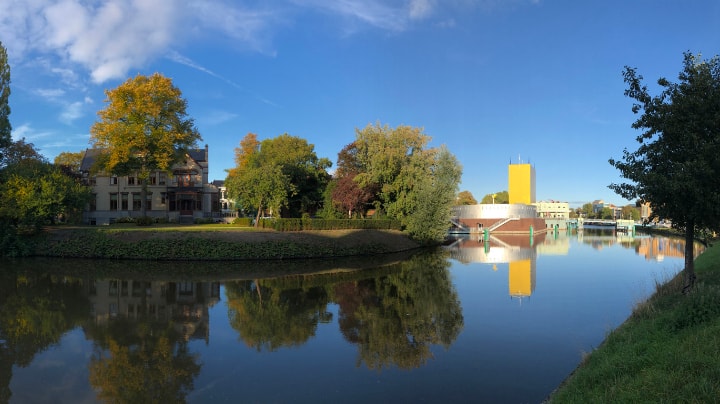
column 184, row 304
column 520, row 251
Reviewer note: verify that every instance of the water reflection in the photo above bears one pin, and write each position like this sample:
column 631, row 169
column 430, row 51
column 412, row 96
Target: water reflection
column 520, row 251
column 142, row 325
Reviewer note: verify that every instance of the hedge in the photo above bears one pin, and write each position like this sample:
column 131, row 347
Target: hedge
column 328, row 224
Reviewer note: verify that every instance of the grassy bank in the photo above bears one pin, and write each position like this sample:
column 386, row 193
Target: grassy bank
column 667, row 351
column 213, row 242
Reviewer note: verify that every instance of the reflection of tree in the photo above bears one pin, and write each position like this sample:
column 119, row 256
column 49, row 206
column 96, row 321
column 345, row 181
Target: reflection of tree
column 35, row 311
column 268, row 316
column 395, row 319
column 141, row 361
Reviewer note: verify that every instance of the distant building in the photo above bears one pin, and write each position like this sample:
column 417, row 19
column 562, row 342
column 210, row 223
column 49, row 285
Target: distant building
column 519, row 216
column 553, row 209
column 521, row 184
column 181, row 194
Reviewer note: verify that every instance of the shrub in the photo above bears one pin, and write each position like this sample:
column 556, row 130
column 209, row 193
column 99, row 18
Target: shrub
column 144, row 221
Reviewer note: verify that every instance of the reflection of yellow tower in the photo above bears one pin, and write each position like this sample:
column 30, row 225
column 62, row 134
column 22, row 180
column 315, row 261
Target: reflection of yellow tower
column 521, row 282
column 521, row 183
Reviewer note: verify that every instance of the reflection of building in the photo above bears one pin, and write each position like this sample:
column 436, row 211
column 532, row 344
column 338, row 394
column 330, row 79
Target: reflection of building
column 519, row 251
column 185, row 304
column 521, row 278
column 657, row 248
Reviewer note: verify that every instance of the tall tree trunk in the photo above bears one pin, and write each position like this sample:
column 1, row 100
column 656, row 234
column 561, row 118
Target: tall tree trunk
column 689, row 272
column 257, row 217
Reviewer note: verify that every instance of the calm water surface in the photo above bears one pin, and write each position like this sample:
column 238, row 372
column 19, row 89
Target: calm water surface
column 502, row 321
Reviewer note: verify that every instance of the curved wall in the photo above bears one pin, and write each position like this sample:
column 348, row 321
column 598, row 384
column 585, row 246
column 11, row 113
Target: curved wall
column 497, row 211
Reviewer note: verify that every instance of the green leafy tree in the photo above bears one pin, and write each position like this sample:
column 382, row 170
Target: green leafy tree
column 434, row 196
column 36, row 193
column 279, row 173
column 5, row 127
column 676, row 168
column 502, row 197
column 587, row 210
column 403, row 167
column 465, row 198
column 606, row 213
column 144, row 127
column 630, row 212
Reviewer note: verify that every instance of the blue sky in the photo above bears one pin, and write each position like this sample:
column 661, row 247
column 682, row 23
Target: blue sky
column 496, row 81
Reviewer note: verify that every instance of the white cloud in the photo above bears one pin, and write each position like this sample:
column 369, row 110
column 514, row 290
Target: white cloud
column 71, row 112
column 50, row 93
column 420, row 9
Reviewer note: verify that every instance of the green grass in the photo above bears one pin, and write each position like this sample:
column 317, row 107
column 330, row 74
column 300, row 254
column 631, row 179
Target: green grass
column 667, row 351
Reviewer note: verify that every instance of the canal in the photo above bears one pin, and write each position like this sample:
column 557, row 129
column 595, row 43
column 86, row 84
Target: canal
column 499, row 321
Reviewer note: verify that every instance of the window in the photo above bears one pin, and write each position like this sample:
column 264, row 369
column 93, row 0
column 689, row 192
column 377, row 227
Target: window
column 136, row 201
column 131, row 180
column 124, row 205
column 113, row 201
column 93, row 202
column 163, row 178
column 113, row 180
column 148, row 202
column 163, row 198
column 153, row 180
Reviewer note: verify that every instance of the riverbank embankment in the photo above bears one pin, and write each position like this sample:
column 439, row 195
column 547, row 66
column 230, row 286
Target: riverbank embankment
column 216, row 243
column 667, row 351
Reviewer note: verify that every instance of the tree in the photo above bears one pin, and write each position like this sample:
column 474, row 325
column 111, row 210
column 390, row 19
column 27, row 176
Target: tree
column 465, row 198
column 587, row 210
column 498, row 197
column 18, row 152
column 144, row 128
column 676, row 168
column 434, row 196
column 36, row 193
column 347, row 193
column 630, row 212
column 400, row 163
column 278, row 173
column 5, row 127
column 71, row 161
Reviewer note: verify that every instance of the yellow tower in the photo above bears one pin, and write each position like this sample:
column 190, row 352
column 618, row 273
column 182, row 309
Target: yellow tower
column 521, row 183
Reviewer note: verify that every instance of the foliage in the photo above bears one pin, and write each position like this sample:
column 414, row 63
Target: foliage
column 587, row 210
column 18, row 152
column 676, row 168
column 70, row 160
column 143, row 128
column 36, row 193
column 108, row 243
column 350, row 196
column 434, row 197
column 630, row 212
column 606, row 213
column 502, row 197
column 5, row 127
column 403, row 168
column 466, row 198
column 282, row 174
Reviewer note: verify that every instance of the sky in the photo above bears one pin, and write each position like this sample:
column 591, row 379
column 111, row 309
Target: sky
column 496, row 81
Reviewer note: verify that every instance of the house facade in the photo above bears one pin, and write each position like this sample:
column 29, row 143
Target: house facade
column 179, row 195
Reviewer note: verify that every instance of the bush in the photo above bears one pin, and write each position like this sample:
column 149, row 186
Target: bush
column 144, row 221
column 329, row 224
column 242, row 221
